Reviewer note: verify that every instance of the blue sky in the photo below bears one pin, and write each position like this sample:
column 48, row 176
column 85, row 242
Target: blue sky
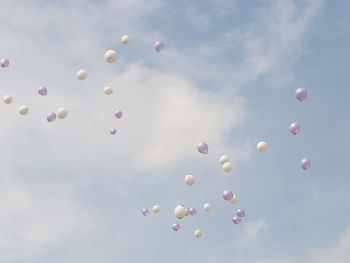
column 70, row 192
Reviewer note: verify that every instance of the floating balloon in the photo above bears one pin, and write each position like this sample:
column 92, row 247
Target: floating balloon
column 305, row 163
column 81, row 74
column 23, row 110
column 62, row 113
column 234, row 199
column 236, row 220
column 180, row 212
column 240, row 212
column 51, row 117
column 4, row 62
column 190, row 179
column 111, row 56
column 202, row 148
column 108, row 90
column 192, row 211
column 207, row 207
column 156, row 209
column 198, row 233
column 227, row 167
column 159, row 46
column 261, row 146
column 301, row 94
column 294, row 128
column 42, row 91
column 227, row 195
column 118, row 114
column 145, row 211
column 224, row 159
column 125, row 40
column 113, row 131
column 176, row 227
column 8, row 99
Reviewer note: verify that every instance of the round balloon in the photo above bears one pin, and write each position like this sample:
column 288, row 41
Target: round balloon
column 111, row 56
column 301, row 94
column 180, row 212
column 305, row 163
column 4, row 62
column 176, row 227
column 294, row 128
column 198, row 233
column 202, row 148
column 108, row 90
column 240, row 212
column 159, row 46
column 261, row 146
column 42, row 91
column 23, row 110
column 118, row 114
column 81, row 74
column 234, row 199
column 224, row 159
column 207, row 207
column 190, row 179
column 8, row 99
column 156, row 209
column 145, row 211
column 125, row 40
column 227, row 195
column 236, row 220
column 62, row 113
column 113, row 131
column 51, row 117
column 227, row 167
column 192, row 211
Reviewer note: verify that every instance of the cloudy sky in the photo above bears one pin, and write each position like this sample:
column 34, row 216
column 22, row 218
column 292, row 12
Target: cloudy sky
column 70, row 192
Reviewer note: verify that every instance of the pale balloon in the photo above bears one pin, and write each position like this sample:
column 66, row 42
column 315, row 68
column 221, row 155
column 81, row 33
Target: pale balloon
column 207, row 207
column 108, row 90
column 227, row 167
column 261, row 146
column 62, row 113
column 81, row 74
column 180, row 212
column 156, row 209
column 23, row 110
column 8, row 99
column 111, row 56
column 190, row 179
column 198, row 233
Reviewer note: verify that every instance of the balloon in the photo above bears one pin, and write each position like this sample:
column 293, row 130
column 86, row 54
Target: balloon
column 180, row 212
column 42, row 91
column 62, row 113
column 125, row 40
column 156, row 209
column 240, row 212
column 227, row 167
column 224, row 159
column 145, row 211
column 202, row 148
column 176, row 227
column 187, row 212
column 305, row 163
column 111, row 56
column 4, row 62
column 198, row 233
column 113, row 131
column 294, row 128
column 227, row 195
column 192, row 211
column 234, row 199
column 118, row 114
column 207, row 207
column 23, row 110
column 159, row 46
column 51, row 117
column 190, row 179
column 108, row 90
column 261, row 146
column 301, row 94
column 236, row 220
column 8, row 99
column 81, row 74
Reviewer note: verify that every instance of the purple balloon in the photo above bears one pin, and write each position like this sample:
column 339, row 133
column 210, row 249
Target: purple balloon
column 42, row 91
column 192, row 211
column 202, row 148
column 294, row 128
column 4, row 62
column 118, row 114
column 113, row 131
column 236, row 220
column 240, row 212
column 305, row 163
column 301, row 94
column 51, row 117
column 145, row 211
column 227, row 195
column 159, row 46
column 176, row 227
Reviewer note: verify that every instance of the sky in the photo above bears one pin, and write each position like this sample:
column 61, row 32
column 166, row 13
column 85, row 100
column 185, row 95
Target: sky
column 71, row 192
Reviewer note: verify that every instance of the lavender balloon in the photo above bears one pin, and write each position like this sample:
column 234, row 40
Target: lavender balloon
column 51, row 117
column 192, row 211
column 42, row 91
column 227, row 195
column 236, row 220
column 176, row 227
column 4, row 62
column 118, row 114
column 145, row 211
column 113, row 131
column 202, row 148
column 294, row 128
column 301, row 94
column 159, row 46
column 240, row 212
column 305, row 163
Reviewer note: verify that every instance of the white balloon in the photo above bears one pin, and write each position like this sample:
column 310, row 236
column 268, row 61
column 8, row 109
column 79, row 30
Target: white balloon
column 180, row 212
column 125, row 40
column 111, row 56
column 8, row 99
column 224, row 159
column 198, row 233
column 261, row 146
column 62, row 113
column 227, row 167
column 108, row 90
column 234, row 199
column 156, row 208
column 190, row 179
column 81, row 74
column 207, row 207
column 23, row 110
